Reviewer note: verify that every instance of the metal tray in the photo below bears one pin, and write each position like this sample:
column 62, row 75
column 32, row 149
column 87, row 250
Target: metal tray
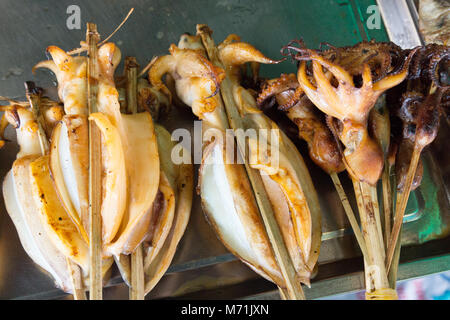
column 202, row 267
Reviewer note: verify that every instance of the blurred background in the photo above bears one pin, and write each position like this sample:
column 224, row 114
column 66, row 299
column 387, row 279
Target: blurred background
column 433, row 287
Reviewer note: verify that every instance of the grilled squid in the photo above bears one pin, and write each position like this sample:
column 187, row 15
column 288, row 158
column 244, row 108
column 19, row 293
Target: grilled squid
column 196, row 79
column 233, row 214
column 345, row 84
column 230, row 206
column 69, row 141
column 299, row 214
column 321, row 144
column 159, row 193
column 129, row 152
column 144, row 200
column 46, row 231
column 424, row 100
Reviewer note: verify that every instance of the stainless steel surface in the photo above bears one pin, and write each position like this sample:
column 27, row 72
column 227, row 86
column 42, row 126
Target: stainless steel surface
column 355, row 281
column 399, row 23
column 202, row 267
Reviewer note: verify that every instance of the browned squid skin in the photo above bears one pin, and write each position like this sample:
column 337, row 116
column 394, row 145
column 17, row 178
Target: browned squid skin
column 429, row 81
column 288, row 185
column 192, row 71
column 284, row 83
column 51, row 110
column 408, row 114
column 423, row 101
column 434, row 21
column 321, row 144
column 402, row 164
column 353, row 79
column 382, row 57
column 430, row 63
column 233, row 52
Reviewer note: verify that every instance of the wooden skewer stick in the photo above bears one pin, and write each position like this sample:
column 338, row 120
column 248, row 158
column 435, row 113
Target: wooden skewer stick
column 373, row 200
column 283, row 293
column 387, row 201
column 375, row 271
column 425, row 133
column 393, row 270
column 95, row 169
column 79, row 292
column 34, row 96
column 379, row 118
column 137, row 289
column 294, row 289
column 349, row 212
column 83, row 47
column 131, row 70
column 401, row 202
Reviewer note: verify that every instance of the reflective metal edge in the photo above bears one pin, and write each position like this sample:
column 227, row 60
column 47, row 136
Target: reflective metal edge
column 399, row 23
column 355, row 281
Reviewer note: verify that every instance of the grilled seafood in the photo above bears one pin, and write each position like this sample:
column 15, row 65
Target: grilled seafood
column 125, row 138
column 423, row 101
column 46, row 231
column 324, row 150
column 434, row 21
column 347, row 90
column 427, row 80
column 345, row 83
column 230, row 205
column 321, row 144
column 235, row 214
column 145, row 197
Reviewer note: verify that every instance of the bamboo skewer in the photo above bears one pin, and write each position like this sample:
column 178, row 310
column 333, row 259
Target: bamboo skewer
column 137, row 290
column 95, row 170
column 387, row 202
column 372, row 192
column 425, row 132
column 388, row 209
column 34, row 97
column 283, row 293
column 375, row 271
column 349, row 212
column 293, row 290
column 381, row 126
column 83, row 46
column 382, row 129
column 79, row 292
column 393, row 270
column 377, row 283
column 131, row 71
column 401, row 202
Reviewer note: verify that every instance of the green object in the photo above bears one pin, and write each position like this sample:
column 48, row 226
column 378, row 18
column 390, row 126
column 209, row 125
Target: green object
column 337, row 22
